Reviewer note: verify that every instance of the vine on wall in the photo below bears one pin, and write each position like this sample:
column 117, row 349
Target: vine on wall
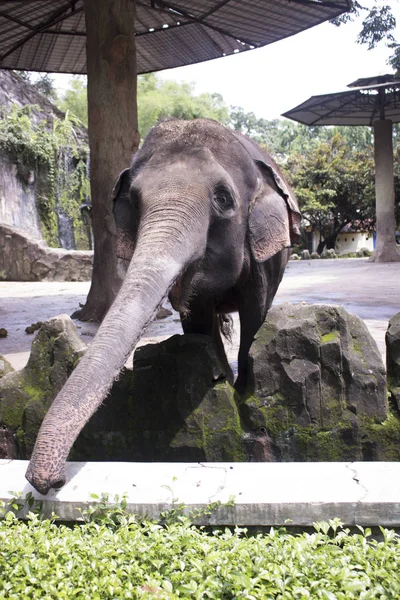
column 52, row 150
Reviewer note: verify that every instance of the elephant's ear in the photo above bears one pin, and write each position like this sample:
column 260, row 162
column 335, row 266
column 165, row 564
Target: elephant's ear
column 274, row 219
column 124, row 215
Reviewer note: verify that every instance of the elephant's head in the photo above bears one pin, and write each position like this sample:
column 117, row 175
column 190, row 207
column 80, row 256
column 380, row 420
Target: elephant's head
column 198, row 204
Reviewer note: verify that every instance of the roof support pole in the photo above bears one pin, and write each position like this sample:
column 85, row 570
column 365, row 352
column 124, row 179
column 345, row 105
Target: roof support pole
column 113, row 133
column 386, row 249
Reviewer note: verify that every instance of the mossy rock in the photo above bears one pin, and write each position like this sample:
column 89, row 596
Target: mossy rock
column 317, row 394
column 176, row 405
column 5, row 367
column 393, row 361
column 324, row 381
column 26, row 395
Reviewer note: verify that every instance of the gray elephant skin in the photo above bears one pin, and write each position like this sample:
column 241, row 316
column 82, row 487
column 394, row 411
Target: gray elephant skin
column 204, row 215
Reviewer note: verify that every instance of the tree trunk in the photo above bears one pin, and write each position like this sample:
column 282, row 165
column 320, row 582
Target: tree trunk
column 386, row 249
column 321, row 246
column 113, row 134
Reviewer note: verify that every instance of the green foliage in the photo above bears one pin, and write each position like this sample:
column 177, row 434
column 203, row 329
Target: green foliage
column 334, row 184
column 41, row 146
column 377, row 26
column 122, row 557
column 74, row 99
column 159, row 99
column 45, row 85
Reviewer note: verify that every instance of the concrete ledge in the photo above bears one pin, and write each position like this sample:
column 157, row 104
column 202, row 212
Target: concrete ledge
column 264, row 494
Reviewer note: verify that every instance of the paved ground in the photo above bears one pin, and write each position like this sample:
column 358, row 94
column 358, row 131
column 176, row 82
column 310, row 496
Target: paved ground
column 369, row 290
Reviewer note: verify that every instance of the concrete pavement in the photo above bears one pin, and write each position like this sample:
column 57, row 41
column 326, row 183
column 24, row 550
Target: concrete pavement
column 370, row 290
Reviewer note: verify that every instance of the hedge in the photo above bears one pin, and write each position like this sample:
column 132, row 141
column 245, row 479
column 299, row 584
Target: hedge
column 114, row 555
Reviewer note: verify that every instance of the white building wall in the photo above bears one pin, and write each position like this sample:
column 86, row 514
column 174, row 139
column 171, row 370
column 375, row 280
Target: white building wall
column 351, row 242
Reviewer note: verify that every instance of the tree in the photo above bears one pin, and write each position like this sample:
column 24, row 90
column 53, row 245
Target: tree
column 159, row 99
column 45, row 85
column 74, row 99
column 377, row 26
column 111, row 72
column 335, row 187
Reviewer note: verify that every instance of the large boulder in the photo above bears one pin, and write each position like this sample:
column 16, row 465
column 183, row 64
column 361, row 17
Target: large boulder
column 176, row 405
column 319, row 385
column 26, row 395
column 393, row 361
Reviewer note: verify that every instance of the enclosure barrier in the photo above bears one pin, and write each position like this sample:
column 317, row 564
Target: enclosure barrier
column 244, row 494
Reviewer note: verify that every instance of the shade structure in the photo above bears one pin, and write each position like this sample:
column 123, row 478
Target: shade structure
column 362, row 106
column 49, row 35
column 376, row 102
column 123, row 38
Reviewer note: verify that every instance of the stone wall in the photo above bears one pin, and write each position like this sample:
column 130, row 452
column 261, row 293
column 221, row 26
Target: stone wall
column 18, row 199
column 23, row 258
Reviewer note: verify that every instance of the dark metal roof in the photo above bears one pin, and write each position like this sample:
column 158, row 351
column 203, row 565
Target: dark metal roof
column 375, row 82
column 356, row 107
column 49, row 35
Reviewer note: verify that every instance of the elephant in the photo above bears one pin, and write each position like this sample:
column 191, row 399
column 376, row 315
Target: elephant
column 204, row 215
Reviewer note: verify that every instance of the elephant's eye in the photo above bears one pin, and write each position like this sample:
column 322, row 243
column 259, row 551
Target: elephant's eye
column 223, row 199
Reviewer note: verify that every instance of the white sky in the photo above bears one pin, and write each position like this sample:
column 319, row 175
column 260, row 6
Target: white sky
column 273, row 79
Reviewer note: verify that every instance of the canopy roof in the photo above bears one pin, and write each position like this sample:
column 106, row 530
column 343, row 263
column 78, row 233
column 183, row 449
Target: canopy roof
column 378, row 98
column 49, row 35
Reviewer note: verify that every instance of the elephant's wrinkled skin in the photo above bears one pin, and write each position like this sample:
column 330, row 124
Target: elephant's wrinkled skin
column 204, row 215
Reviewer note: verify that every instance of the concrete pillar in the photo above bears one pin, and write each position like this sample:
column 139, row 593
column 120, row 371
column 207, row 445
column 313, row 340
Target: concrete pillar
column 386, row 249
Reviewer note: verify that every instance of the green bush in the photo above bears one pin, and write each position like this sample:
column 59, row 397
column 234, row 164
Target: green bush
column 114, row 555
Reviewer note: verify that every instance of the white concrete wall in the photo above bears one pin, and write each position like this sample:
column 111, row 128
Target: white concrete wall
column 297, row 494
column 351, row 242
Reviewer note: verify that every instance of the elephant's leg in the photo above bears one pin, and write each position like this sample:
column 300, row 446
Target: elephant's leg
column 252, row 315
column 254, row 303
column 203, row 319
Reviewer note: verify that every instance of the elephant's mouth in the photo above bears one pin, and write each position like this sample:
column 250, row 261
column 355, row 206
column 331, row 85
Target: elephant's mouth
column 177, row 296
column 182, row 290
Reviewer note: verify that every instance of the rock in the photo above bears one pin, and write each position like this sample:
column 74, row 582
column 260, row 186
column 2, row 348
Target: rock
column 5, row 367
column 26, row 395
column 328, row 253
column 305, row 255
column 34, row 327
column 314, row 255
column 393, row 360
column 8, row 444
column 363, row 252
column 3, row 332
column 163, row 313
column 318, row 394
column 176, row 405
column 294, row 257
column 319, row 383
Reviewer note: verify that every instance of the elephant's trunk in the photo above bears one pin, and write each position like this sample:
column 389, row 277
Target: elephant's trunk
column 149, row 277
